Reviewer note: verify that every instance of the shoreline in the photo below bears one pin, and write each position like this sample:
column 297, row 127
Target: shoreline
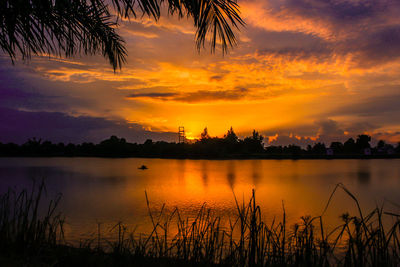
column 225, row 157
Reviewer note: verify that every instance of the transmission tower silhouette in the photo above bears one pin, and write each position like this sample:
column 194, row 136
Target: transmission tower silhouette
column 182, row 137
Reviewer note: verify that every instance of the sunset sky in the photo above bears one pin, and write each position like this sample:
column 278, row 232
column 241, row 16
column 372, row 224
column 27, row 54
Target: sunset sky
column 303, row 71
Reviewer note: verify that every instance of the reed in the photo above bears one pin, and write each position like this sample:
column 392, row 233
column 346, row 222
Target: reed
column 22, row 226
column 363, row 239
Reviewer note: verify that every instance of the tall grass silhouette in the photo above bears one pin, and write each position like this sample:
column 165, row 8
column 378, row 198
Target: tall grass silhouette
column 363, row 239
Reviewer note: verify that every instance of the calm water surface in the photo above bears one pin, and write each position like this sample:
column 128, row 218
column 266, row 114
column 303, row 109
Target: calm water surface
column 97, row 190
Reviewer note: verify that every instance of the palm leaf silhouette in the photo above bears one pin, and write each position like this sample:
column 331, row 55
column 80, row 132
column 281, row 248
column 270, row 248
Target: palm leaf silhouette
column 70, row 27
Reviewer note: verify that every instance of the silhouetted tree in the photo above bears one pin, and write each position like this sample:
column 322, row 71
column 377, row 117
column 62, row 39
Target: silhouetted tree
column 148, row 142
column 257, row 137
column 67, row 27
column 87, row 149
column 350, row 146
column 204, row 135
column 113, row 146
column 10, row 149
column 292, row 150
column 231, row 136
column 32, row 146
column 274, row 150
column 254, row 143
column 212, row 147
column 363, row 142
column 231, row 141
column 70, row 150
column 319, row 149
column 309, row 148
column 337, row 147
column 381, row 144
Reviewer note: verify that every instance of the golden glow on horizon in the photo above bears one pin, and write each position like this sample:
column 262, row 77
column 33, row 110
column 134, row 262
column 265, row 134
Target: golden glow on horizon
column 167, row 84
column 276, row 93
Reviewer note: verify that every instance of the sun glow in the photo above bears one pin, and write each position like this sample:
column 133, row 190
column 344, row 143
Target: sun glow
column 290, row 71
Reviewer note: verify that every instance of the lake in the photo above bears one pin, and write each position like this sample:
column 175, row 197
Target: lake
column 107, row 191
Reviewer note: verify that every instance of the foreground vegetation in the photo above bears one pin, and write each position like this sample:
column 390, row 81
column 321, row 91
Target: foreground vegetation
column 30, row 237
column 230, row 146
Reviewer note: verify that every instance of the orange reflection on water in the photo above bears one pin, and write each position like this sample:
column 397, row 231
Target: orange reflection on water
column 112, row 190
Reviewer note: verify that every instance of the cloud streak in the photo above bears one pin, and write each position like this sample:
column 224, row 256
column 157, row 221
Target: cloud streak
column 194, row 97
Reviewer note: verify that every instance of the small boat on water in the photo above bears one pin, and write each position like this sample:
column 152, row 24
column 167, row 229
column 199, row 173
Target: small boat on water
column 143, row 167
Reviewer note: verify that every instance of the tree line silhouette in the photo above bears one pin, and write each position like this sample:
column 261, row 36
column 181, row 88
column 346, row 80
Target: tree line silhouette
column 229, row 146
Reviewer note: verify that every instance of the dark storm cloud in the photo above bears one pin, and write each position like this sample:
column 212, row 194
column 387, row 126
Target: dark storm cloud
column 290, row 44
column 361, row 126
column 376, row 106
column 22, row 94
column 377, row 47
column 337, row 12
column 18, row 126
column 367, row 30
column 329, row 127
column 329, row 130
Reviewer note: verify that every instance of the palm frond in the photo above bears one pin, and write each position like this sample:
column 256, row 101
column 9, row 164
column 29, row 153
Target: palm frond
column 215, row 19
column 61, row 27
column 70, row 27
